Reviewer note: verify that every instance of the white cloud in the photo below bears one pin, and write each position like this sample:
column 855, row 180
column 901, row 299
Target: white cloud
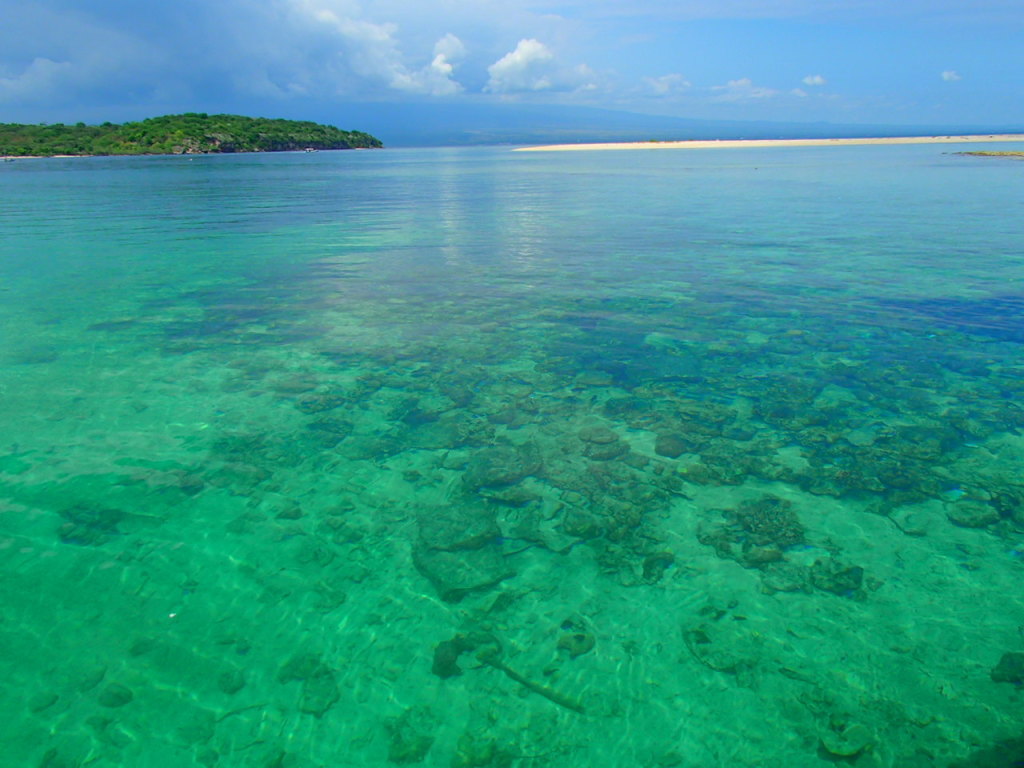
column 527, row 68
column 436, row 78
column 742, row 90
column 582, row 79
column 37, row 81
column 48, row 56
column 265, row 54
column 667, row 85
column 450, row 47
column 532, row 67
column 371, row 51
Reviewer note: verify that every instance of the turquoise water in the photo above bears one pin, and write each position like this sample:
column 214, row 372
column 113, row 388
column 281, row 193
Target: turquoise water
column 482, row 458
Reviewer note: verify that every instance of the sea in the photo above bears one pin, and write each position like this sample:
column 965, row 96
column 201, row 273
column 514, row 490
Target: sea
column 470, row 458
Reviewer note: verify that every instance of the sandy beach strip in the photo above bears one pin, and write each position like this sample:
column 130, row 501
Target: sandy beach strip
column 751, row 143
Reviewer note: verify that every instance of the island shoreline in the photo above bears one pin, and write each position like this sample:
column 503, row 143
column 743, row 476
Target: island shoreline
column 763, row 143
column 187, row 154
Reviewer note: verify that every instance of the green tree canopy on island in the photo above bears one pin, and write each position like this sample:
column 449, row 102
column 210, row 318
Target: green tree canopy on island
column 190, row 133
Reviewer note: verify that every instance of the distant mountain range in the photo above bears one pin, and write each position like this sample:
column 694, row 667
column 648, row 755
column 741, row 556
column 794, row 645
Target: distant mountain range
column 423, row 124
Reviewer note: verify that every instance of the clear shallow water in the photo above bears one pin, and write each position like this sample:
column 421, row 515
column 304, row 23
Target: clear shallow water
column 477, row 458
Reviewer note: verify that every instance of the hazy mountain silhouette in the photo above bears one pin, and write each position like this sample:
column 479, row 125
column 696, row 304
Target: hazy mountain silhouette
column 440, row 124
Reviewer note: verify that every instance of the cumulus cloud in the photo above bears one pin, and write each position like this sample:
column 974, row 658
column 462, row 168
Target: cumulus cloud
column 196, row 52
column 370, row 50
column 37, row 81
column 742, row 90
column 533, row 67
column 450, row 47
column 582, row 79
column 66, row 57
column 259, row 54
column 436, row 78
column 527, row 68
column 667, row 85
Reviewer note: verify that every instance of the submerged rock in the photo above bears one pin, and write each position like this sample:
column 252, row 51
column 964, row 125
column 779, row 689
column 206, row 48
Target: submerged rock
column 597, row 433
column 831, row 576
column 769, row 521
column 475, row 750
column 300, row 667
column 726, row 647
column 458, row 527
column 327, row 432
column 972, row 514
column 758, row 557
column 320, row 689
column 411, row 736
column 847, row 741
column 42, row 701
column 320, row 692
column 318, row 403
column 231, row 682
column 456, row 574
column 581, row 524
column 511, row 496
column 655, row 565
column 670, row 446
column 89, row 524
column 605, row 451
column 784, row 577
column 115, row 695
column 446, row 658
column 576, row 643
column 500, row 465
column 1010, row 669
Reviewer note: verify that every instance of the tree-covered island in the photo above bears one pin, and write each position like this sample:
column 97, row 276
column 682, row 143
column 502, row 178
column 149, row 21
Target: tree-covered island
column 192, row 133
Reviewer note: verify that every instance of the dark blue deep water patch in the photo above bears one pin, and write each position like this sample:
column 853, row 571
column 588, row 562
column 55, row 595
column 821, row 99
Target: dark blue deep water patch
column 999, row 317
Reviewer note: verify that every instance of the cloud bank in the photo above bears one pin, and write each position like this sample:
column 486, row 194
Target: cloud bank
column 119, row 59
column 742, row 90
column 276, row 48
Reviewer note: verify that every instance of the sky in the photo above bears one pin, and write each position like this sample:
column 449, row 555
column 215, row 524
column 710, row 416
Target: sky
column 899, row 62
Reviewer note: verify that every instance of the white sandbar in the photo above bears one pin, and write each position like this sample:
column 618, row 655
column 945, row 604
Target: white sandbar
column 743, row 143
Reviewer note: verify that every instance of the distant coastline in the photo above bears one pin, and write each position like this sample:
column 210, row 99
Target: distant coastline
column 751, row 143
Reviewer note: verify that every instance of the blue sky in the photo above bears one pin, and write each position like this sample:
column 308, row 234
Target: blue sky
column 848, row 61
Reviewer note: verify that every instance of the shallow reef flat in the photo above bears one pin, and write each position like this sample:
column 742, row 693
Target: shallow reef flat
column 400, row 501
